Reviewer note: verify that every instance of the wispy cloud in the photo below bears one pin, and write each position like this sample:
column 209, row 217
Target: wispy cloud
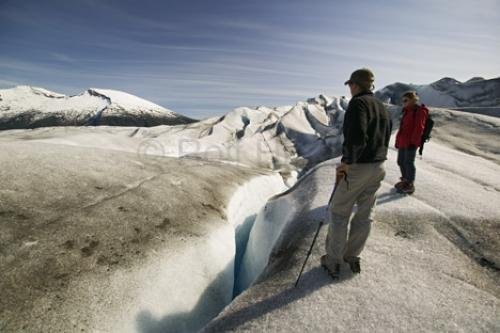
column 62, row 57
column 8, row 83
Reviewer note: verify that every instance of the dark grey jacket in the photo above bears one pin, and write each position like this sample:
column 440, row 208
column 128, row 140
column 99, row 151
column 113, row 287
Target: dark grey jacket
column 367, row 130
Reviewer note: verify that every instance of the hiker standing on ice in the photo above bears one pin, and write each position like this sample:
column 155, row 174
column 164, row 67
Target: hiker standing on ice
column 367, row 129
column 409, row 139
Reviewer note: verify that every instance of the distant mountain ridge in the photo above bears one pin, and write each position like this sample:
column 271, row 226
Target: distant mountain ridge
column 448, row 93
column 32, row 107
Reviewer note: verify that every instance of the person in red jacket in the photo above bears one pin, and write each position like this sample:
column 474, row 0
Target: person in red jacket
column 409, row 139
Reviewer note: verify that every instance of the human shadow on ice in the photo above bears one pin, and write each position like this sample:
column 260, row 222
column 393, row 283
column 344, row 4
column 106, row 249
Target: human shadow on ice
column 389, row 196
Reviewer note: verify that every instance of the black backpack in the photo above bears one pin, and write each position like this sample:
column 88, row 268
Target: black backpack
column 426, row 135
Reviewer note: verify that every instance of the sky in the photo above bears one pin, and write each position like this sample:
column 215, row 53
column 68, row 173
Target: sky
column 203, row 58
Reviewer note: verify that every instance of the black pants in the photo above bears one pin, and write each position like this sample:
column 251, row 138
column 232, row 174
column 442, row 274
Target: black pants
column 406, row 162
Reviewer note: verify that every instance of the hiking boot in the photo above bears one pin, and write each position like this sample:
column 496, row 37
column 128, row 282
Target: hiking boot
column 399, row 185
column 332, row 268
column 354, row 264
column 408, row 188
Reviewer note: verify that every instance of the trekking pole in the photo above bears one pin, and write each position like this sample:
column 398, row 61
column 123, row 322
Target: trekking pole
column 317, row 231
column 309, row 253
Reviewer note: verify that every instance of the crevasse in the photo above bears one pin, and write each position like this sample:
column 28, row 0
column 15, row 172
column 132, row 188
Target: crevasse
column 243, row 209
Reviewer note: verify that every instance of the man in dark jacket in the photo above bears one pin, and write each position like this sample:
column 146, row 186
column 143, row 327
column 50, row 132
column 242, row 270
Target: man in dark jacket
column 367, row 129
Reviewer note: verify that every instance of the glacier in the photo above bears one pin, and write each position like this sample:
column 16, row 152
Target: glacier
column 109, row 244
column 204, row 225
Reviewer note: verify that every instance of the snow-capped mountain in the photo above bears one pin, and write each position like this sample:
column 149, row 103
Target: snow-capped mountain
column 31, row 107
column 448, row 93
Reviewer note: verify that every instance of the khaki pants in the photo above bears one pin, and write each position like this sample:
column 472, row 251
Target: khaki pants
column 363, row 181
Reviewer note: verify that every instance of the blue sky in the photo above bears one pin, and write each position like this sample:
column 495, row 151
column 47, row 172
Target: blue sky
column 203, row 58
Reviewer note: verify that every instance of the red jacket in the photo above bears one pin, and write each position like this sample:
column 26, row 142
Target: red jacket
column 412, row 126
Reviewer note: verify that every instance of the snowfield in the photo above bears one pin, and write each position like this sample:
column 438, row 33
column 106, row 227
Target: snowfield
column 204, row 226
